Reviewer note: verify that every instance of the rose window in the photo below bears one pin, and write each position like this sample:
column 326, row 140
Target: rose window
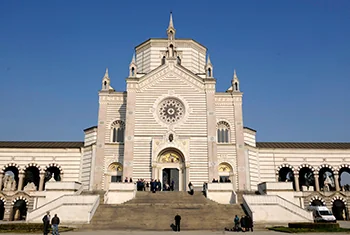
column 171, row 110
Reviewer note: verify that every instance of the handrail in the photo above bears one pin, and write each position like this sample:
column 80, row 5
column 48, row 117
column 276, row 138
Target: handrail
column 247, row 208
column 275, row 199
column 94, row 208
column 52, row 204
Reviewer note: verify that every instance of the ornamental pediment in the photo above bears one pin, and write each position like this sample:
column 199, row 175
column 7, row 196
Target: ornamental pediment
column 171, row 70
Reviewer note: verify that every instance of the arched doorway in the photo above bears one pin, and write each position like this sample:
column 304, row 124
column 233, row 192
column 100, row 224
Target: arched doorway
column 225, row 173
column 339, row 210
column 171, row 170
column 10, row 181
column 306, row 178
column 19, row 210
column 326, row 179
column 286, row 174
column 52, row 171
column 2, row 209
column 32, row 175
column 316, row 202
column 344, row 178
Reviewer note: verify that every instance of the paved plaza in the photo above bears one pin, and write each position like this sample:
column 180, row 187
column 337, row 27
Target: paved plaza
column 168, row 233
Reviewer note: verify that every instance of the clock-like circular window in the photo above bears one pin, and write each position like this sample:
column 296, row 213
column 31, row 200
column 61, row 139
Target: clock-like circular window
column 171, row 110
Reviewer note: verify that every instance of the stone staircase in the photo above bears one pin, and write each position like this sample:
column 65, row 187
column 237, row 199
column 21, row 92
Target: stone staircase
column 156, row 211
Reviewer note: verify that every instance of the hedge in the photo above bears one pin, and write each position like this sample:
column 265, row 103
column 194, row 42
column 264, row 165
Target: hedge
column 27, row 228
column 313, row 225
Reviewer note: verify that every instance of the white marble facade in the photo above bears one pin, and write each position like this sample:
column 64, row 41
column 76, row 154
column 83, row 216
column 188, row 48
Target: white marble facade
column 169, row 119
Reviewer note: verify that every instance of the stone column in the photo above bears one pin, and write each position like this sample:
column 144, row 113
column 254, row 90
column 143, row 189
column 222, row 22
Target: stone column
column 154, row 169
column 317, row 183
column 131, row 84
column 336, row 181
column 1, row 177
column 42, row 180
column 187, row 173
column 296, row 182
column 211, row 129
column 20, row 182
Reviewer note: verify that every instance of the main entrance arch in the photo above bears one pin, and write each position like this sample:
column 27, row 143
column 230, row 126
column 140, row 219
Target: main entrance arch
column 170, row 170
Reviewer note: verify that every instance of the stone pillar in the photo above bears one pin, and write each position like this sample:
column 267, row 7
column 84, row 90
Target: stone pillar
column 131, row 85
column 296, row 182
column 187, row 175
column 317, row 183
column 211, row 129
column 1, row 177
column 336, row 181
column 154, row 172
column 20, row 181
column 42, row 180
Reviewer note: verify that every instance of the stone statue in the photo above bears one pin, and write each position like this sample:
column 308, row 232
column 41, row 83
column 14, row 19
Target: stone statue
column 17, row 215
column 30, row 187
column 9, row 183
column 52, row 178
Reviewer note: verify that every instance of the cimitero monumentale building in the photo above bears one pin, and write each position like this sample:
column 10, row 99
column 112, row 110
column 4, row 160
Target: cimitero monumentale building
column 171, row 124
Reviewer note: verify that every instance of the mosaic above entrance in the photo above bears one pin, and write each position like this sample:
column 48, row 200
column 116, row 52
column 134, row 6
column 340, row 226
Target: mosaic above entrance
column 169, row 157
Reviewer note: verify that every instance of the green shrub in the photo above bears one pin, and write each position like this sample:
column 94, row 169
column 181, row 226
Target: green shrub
column 26, row 228
column 313, row 225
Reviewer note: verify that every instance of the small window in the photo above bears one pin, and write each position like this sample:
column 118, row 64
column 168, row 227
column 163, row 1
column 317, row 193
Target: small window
column 116, row 178
column 132, row 71
column 209, row 72
column 163, row 60
column 178, row 60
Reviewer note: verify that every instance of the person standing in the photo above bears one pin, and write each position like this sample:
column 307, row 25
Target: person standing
column 190, row 186
column 46, row 222
column 55, row 222
column 177, row 223
column 236, row 223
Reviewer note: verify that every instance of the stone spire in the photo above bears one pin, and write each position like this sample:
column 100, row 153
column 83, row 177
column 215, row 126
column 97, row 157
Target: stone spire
column 235, row 82
column 106, row 74
column 171, row 30
column 106, row 82
column 209, row 68
column 133, row 67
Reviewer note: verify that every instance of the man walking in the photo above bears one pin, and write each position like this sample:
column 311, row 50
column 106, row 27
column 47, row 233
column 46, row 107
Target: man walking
column 177, row 223
column 55, row 222
column 46, row 222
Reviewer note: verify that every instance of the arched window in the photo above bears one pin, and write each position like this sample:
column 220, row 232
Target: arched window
column 163, row 60
column 105, row 85
column 236, row 86
column 132, row 71
column 178, row 60
column 209, row 72
column 117, row 131
column 223, row 132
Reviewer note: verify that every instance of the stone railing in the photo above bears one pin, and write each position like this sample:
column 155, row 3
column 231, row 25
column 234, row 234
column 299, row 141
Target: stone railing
column 277, row 200
column 118, row 193
column 94, row 208
column 220, row 187
column 275, row 186
column 75, row 211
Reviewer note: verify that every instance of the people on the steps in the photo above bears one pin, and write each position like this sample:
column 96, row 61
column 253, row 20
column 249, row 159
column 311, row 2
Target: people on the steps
column 244, row 224
column 190, row 186
column 177, row 223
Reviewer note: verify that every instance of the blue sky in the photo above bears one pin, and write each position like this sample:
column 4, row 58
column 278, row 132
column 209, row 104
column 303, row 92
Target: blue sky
column 292, row 59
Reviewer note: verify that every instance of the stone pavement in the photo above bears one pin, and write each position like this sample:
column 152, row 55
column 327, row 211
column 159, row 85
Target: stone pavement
column 167, row 233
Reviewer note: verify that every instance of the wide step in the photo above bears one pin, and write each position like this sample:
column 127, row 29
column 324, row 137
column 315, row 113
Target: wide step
column 156, row 211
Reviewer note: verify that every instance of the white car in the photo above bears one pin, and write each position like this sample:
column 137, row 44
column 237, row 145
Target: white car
column 322, row 214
